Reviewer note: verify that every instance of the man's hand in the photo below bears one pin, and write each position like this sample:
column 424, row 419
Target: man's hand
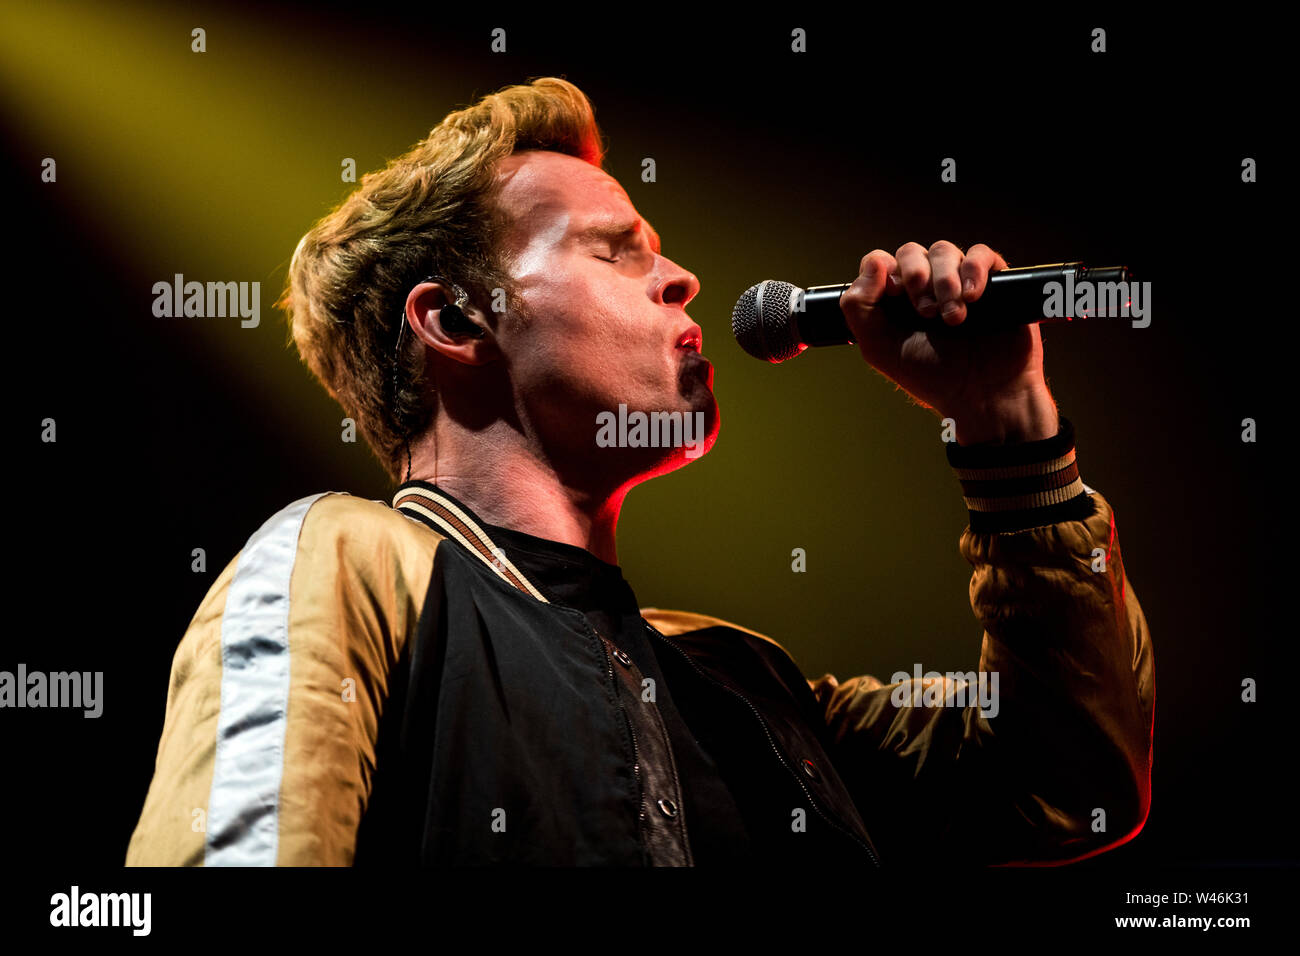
column 990, row 381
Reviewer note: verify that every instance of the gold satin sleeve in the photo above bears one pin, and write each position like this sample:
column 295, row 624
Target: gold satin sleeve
column 1062, row 771
column 359, row 579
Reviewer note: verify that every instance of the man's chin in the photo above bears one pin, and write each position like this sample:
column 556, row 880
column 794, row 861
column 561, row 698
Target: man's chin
column 653, row 443
column 700, row 437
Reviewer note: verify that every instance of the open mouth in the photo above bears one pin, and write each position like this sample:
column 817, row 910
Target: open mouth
column 695, row 366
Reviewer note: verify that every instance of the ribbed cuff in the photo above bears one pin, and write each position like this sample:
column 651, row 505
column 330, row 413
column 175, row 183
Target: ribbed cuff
column 1021, row 486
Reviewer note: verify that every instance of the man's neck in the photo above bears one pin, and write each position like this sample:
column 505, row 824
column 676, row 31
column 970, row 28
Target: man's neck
column 521, row 493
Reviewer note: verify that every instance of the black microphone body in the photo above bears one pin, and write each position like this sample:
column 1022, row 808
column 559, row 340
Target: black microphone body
column 777, row 320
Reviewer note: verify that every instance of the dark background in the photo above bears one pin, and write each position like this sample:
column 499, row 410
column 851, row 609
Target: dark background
column 183, row 433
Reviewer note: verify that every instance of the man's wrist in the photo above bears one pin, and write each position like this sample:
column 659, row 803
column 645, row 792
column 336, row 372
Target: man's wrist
column 1025, row 417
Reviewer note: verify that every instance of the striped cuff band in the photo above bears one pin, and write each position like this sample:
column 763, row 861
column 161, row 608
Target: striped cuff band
column 1025, row 485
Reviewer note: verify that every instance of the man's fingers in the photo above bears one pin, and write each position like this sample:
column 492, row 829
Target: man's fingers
column 914, row 264
column 945, row 260
column 975, row 268
column 867, row 289
column 939, row 281
column 876, row 266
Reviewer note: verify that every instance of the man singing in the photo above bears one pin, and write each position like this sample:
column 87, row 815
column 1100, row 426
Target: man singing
column 465, row 677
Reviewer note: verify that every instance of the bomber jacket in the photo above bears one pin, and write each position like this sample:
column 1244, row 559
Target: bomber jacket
column 367, row 683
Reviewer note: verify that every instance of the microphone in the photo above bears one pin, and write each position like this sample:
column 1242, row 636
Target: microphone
column 775, row 321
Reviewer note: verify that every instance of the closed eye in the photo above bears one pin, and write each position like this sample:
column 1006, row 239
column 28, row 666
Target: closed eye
column 606, row 259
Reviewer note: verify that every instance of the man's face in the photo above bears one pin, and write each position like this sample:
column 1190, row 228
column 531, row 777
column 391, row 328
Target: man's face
column 598, row 333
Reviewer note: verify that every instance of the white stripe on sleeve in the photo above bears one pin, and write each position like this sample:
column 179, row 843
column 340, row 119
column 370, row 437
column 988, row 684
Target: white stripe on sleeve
column 243, row 807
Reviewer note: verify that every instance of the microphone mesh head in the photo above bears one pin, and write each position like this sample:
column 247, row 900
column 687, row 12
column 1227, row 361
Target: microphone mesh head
column 761, row 321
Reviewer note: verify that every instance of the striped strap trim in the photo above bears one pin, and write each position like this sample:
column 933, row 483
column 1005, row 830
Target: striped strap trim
column 420, row 503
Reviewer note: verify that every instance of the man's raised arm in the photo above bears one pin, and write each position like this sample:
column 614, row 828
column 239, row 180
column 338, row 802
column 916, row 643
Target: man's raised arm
column 1055, row 764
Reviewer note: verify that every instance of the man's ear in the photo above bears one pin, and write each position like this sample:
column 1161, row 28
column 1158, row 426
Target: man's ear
column 424, row 315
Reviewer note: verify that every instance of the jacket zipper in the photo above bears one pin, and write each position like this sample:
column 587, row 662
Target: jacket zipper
column 636, row 755
column 771, row 741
